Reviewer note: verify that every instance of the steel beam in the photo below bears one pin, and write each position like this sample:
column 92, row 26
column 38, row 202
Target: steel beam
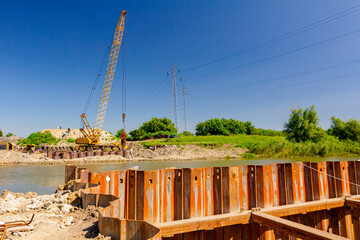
column 292, row 228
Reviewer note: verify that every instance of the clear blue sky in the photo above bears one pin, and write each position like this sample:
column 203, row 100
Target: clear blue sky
column 50, row 52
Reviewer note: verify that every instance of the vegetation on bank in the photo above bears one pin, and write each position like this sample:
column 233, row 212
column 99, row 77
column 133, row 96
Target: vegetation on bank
column 39, row 138
column 155, row 128
column 267, row 146
column 302, row 137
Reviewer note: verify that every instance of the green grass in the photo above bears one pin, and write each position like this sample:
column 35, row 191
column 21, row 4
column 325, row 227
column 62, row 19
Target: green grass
column 267, row 146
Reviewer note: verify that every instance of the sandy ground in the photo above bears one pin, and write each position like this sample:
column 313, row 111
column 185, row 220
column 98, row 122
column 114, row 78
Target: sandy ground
column 55, row 217
column 164, row 153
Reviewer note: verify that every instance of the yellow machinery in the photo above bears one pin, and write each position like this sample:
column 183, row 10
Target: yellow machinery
column 91, row 136
column 6, row 146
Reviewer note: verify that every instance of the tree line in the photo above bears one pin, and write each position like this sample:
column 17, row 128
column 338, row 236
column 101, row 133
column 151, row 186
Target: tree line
column 302, row 126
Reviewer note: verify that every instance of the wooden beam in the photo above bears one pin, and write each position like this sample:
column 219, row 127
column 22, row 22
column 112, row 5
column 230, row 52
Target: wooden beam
column 203, row 223
column 352, row 202
column 299, row 208
column 222, row 220
column 292, row 228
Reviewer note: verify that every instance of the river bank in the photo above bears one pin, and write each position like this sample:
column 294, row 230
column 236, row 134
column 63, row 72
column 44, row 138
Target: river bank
column 161, row 153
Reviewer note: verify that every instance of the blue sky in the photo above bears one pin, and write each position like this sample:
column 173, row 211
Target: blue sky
column 50, row 53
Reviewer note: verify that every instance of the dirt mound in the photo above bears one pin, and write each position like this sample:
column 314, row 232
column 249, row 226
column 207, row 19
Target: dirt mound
column 105, row 136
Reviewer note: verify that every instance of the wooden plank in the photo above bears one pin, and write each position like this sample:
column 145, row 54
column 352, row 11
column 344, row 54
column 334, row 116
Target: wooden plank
column 292, row 228
column 352, row 202
column 210, row 222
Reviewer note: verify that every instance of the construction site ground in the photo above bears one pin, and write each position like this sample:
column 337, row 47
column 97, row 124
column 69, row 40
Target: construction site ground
column 55, row 217
column 162, row 153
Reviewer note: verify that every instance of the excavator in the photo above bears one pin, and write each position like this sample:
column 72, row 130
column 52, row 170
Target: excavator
column 91, row 135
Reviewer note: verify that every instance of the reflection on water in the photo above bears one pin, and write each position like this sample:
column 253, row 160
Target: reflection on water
column 44, row 179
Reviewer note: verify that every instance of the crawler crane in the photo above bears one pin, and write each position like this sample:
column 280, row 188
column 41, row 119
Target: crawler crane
column 91, row 136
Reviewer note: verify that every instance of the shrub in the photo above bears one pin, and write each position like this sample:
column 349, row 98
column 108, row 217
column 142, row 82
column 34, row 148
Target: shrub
column 155, row 128
column 345, row 130
column 216, row 126
column 38, row 138
column 186, row 133
column 303, row 126
column 70, row 140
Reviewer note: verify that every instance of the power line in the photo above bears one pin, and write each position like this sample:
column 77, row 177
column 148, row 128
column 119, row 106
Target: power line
column 278, row 55
column 342, row 64
column 282, row 37
column 280, row 87
column 147, row 103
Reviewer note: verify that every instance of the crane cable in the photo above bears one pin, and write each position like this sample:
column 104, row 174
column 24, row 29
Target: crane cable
column 98, row 75
column 123, row 104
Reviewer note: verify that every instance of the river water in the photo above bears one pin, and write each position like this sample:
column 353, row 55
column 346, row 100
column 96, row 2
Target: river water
column 44, row 179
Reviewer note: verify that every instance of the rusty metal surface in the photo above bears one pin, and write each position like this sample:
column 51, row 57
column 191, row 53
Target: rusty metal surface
column 4, row 227
column 168, row 196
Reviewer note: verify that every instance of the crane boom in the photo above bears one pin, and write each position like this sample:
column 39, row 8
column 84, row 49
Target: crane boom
column 110, row 71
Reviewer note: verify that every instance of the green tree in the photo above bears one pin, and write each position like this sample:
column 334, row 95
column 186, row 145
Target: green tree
column 9, row 135
column 38, row 138
column 303, row 126
column 155, row 128
column 1, row 134
column 158, row 125
column 234, row 126
column 216, row 126
column 345, row 130
column 186, row 133
column 249, row 128
column 213, row 126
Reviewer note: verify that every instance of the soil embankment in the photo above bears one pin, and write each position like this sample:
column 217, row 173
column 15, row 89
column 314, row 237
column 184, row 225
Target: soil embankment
column 163, row 153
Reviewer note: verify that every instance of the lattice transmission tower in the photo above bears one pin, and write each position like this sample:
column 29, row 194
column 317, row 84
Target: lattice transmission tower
column 184, row 113
column 174, row 116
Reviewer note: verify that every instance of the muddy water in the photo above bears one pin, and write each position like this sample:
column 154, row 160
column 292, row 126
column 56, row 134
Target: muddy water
column 44, row 179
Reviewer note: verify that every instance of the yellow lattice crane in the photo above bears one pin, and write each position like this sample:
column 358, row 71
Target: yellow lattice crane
column 91, row 136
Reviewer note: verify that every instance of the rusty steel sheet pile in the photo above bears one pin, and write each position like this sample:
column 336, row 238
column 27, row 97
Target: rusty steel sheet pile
column 223, row 202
